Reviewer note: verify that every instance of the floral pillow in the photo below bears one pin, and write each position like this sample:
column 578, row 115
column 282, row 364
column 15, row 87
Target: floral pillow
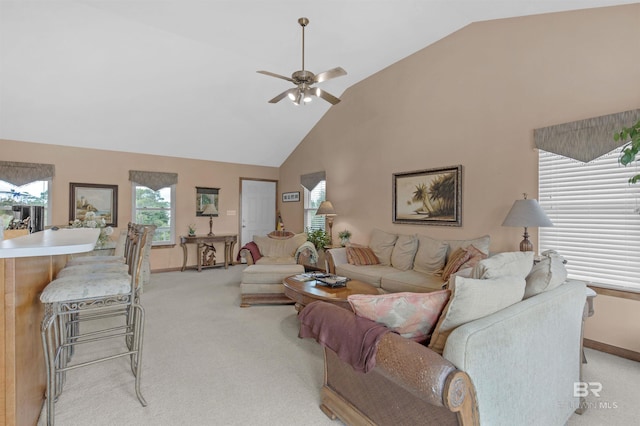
column 412, row 315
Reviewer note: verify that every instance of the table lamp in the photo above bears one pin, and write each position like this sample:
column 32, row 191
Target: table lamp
column 526, row 213
column 210, row 210
column 326, row 209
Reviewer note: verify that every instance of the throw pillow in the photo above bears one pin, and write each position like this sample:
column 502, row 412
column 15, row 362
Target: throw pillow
column 430, row 256
column 481, row 243
column 404, row 252
column 361, row 256
column 412, row 315
column 456, row 260
column 472, row 299
column 382, row 245
column 546, row 275
column 475, row 257
column 518, row 263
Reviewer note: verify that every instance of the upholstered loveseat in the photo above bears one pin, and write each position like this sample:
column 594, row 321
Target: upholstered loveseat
column 503, row 361
column 414, row 263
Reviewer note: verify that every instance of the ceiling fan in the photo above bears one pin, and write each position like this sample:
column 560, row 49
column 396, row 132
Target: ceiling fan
column 304, row 79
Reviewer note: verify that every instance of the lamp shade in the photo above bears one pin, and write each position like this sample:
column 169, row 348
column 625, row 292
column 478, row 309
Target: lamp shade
column 527, row 213
column 210, row 210
column 326, row 208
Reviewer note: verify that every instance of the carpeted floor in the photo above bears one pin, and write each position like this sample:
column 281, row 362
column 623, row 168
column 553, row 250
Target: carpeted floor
column 209, row 362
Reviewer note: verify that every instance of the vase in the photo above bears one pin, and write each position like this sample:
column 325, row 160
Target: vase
column 344, row 241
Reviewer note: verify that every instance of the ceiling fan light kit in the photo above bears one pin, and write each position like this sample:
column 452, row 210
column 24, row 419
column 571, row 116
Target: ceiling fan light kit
column 304, row 79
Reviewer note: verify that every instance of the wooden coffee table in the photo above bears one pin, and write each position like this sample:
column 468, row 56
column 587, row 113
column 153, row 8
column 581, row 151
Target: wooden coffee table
column 305, row 292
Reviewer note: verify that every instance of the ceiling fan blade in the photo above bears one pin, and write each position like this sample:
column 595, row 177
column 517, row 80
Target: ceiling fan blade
column 283, row 95
column 327, row 75
column 276, row 75
column 326, row 96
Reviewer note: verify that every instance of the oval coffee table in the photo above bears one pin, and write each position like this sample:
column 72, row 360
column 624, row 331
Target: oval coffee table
column 305, row 292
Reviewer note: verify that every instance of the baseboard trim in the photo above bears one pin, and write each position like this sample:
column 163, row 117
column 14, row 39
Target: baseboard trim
column 156, row 271
column 613, row 350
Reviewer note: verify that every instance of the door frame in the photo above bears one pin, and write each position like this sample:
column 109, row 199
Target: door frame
column 242, row 179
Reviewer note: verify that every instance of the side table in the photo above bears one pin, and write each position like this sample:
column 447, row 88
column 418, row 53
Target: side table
column 205, row 250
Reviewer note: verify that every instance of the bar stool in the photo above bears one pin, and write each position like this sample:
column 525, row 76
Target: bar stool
column 92, row 260
column 72, row 299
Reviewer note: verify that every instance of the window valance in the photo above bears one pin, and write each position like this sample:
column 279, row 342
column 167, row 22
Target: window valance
column 153, row 180
column 311, row 180
column 585, row 140
column 19, row 174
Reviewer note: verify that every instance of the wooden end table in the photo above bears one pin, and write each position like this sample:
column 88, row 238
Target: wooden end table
column 305, row 292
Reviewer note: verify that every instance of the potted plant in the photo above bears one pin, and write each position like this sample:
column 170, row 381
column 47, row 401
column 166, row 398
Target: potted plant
column 344, row 235
column 631, row 149
column 319, row 238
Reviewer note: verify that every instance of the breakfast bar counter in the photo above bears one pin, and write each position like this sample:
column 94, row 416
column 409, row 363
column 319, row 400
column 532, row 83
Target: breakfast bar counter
column 27, row 265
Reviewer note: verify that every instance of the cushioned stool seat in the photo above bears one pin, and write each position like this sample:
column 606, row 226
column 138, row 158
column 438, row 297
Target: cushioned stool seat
column 263, row 283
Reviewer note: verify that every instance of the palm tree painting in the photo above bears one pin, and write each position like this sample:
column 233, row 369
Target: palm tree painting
column 428, row 196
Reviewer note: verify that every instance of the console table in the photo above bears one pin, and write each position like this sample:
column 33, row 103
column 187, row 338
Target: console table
column 206, row 252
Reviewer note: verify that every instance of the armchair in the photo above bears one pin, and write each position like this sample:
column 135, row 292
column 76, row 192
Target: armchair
column 279, row 248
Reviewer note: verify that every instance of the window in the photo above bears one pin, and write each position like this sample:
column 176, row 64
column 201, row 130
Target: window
column 156, row 208
column 596, row 217
column 32, row 194
column 312, row 200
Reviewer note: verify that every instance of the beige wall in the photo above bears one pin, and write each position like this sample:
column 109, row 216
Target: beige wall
column 474, row 99
column 110, row 167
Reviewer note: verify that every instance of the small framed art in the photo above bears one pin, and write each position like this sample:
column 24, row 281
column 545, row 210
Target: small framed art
column 290, row 197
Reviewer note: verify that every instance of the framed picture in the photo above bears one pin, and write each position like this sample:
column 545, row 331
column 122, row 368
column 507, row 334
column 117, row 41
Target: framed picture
column 290, row 197
column 428, row 197
column 102, row 200
column 207, row 197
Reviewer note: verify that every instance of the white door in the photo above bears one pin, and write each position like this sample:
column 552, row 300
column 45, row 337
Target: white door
column 258, row 208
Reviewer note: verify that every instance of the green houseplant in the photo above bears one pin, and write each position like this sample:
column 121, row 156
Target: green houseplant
column 631, row 149
column 344, row 237
column 319, row 238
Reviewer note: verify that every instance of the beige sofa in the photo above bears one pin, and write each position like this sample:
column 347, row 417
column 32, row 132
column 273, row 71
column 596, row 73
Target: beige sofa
column 505, row 351
column 408, row 263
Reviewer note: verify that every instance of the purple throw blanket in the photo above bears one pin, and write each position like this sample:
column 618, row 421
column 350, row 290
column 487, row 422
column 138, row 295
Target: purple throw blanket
column 253, row 249
column 354, row 339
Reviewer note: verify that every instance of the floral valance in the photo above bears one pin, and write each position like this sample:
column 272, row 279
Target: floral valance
column 153, row 180
column 312, row 180
column 585, row 140
column 19, row 174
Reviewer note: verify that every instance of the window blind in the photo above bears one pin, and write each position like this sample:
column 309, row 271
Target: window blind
column 596, row 218
column 312, row 200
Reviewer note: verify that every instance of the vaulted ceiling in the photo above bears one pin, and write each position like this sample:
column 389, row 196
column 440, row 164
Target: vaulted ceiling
column 178, row 77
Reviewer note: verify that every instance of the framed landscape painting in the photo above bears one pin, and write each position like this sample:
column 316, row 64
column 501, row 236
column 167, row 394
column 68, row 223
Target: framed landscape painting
column 102, row 200
column 428, row 197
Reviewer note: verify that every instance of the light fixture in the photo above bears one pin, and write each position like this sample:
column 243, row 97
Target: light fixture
column 210, row 210
column 326, row 209
column 526, row 213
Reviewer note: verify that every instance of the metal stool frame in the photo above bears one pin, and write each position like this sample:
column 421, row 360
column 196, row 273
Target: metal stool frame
column 61, row 333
